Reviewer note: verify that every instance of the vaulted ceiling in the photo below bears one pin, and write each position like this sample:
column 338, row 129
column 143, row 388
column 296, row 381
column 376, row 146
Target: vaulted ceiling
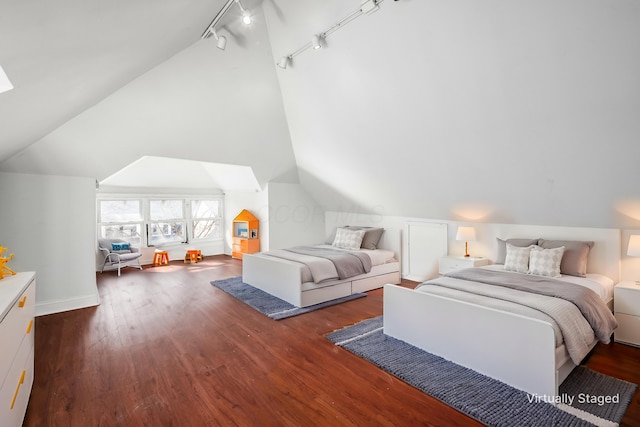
column 101, row 85
column 495, row 111
column 64, row 57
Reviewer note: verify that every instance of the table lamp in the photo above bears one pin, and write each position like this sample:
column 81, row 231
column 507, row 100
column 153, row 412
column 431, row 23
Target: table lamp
column 634, row 248
column 468, row 234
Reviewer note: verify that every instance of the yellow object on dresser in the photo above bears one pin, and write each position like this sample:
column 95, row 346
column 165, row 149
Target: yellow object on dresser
column 4, row 270
column 246, row 235
column 17, row 311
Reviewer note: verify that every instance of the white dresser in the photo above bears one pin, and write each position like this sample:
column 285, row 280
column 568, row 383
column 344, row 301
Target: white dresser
column 448, row 264
column 17, row 308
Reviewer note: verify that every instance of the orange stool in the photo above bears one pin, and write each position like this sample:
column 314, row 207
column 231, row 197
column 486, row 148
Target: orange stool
column 193, row 255
column 160, row 258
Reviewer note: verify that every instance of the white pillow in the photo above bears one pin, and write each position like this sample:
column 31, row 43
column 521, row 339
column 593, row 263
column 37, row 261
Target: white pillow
column 546, row 262
column 348, row 239
column 517, row 258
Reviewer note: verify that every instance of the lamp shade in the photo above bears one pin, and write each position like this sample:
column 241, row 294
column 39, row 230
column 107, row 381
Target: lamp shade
column 467, row 234
column 634, row 245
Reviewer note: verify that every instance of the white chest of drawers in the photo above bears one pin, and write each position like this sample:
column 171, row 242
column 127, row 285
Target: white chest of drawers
column 448, row 264
column 17, row 309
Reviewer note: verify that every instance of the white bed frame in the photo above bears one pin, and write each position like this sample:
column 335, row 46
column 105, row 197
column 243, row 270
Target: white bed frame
column 283, row 279
column 514, row 349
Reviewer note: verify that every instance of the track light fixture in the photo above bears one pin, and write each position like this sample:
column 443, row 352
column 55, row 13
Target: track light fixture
column 211, row 28
column 284, row 61
column 246, row 14
column 367, row 7
column 222, row 40
column 315, row 42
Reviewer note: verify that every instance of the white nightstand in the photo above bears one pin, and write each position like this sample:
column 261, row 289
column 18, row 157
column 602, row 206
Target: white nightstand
column 626, row 305
column 448, row 264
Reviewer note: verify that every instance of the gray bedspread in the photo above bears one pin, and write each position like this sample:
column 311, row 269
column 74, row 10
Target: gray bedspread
column 515, row 290
column 588, row 302
column 325, row 263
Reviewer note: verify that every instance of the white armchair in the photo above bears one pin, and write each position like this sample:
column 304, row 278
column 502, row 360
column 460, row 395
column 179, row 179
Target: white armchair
column 119, row 254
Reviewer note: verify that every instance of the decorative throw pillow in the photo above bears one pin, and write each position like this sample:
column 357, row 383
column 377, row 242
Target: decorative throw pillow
column 517, row 258
column 120, row 246
column 545, row 262
column 502, row 247
column 574, row 259
column 348, row 239
column 371, row 237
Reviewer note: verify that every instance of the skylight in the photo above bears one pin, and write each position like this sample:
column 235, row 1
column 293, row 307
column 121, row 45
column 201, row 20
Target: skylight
column 5, row 84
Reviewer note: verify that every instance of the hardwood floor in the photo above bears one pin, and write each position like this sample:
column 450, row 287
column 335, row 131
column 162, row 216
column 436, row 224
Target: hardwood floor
column 165, row 348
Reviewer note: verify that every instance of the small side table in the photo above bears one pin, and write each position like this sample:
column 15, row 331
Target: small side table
column 160, row 258
column 626, row 305
column 448, row 264
column 193, row 255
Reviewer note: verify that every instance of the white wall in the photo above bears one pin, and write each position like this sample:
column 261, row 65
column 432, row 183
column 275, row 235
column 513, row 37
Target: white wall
column 49, row 223
column 295, row 219
column 493, row 111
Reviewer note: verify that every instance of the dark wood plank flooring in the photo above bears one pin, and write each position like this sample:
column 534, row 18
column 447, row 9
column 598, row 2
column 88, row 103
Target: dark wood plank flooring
column 165, row 348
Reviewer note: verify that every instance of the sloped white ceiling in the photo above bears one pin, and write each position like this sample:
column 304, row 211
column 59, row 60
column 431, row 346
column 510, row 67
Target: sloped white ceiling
column 65, row 56
column 202, row 104
column 493, row 111
column 164, row 173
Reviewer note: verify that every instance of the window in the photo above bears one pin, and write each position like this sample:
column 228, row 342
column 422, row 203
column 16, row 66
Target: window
column 156, row 221
column 205, row 219
column 121, row 219
column 166, row 222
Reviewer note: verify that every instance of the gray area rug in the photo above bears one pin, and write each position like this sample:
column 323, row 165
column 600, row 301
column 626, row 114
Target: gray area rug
column 269, row 305
column 493, row 403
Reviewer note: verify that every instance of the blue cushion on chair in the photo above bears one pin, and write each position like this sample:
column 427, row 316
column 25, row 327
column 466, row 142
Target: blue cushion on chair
column 121, row 246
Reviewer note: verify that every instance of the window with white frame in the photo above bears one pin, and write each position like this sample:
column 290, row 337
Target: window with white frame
column 205, row 219
column 167, row 222
column 121, row 219
column 157, row 221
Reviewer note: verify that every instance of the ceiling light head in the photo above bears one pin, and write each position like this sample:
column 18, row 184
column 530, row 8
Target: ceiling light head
column 246, row 14
column 222, row 42
column 315, row 42
column 284, row 61
column 246, row 17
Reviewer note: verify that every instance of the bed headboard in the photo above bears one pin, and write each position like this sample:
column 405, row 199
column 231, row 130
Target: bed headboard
column 604, row 257
column 392, row 239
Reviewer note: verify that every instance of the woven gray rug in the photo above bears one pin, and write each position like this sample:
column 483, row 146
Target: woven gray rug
column 489, row 401
column 269, row 305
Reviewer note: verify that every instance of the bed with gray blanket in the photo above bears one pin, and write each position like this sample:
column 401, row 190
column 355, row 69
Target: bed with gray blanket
column 308, row 275
column 528, row 331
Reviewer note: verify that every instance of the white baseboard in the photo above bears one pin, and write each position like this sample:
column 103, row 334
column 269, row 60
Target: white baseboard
column 58, row 306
